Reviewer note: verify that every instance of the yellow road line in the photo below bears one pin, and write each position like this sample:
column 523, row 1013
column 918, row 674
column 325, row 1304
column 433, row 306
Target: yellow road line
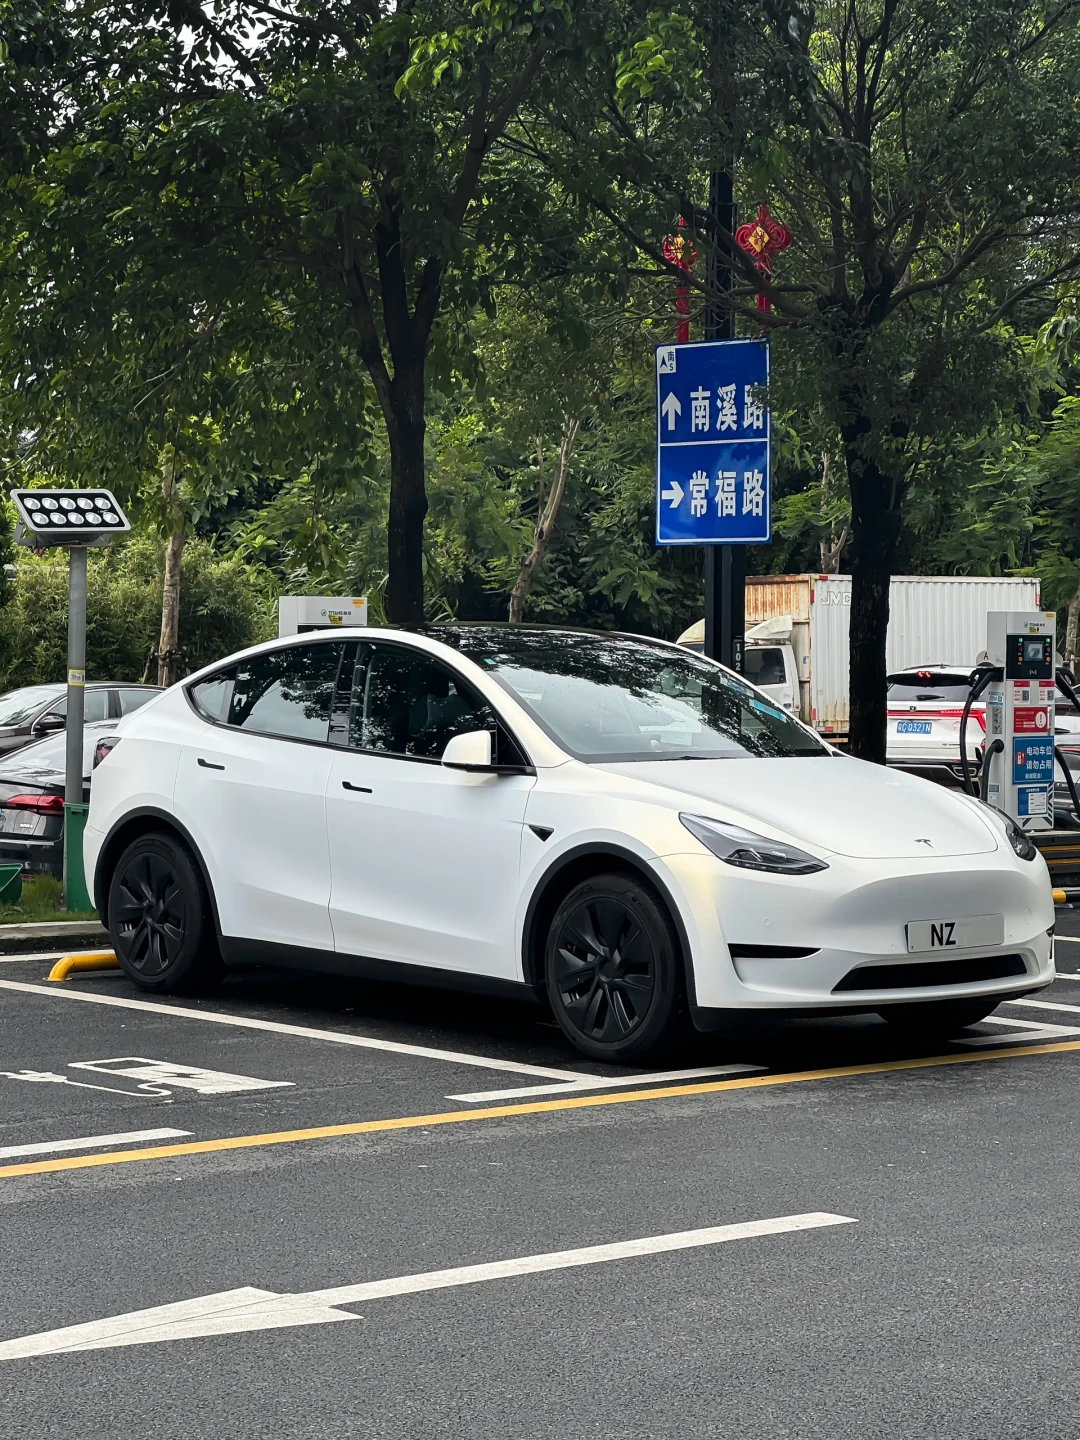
column 536, row 1107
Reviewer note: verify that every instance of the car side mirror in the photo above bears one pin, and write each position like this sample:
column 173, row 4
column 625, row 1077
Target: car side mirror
column 46, row 724
column 471, row 751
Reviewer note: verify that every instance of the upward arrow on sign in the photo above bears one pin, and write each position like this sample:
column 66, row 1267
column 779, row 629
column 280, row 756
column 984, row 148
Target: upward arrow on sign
column 670, row 408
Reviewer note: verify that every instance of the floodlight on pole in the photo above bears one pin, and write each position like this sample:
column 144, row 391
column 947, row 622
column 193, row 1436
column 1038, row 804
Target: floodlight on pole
column 74, row 520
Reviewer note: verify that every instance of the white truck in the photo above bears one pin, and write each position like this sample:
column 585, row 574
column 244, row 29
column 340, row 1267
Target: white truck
column 797, row 633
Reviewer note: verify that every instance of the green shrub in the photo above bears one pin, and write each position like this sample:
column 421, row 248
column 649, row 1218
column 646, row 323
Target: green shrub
column 225, row 604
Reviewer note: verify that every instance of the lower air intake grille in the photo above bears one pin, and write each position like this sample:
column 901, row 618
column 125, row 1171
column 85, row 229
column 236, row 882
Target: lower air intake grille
column 939, row 972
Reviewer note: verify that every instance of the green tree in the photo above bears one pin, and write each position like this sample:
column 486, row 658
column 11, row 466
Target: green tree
column 922, row 152
column 339, row 160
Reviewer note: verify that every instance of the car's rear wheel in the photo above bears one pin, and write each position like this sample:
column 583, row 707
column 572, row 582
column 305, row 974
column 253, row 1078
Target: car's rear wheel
column 613, row 969
column 938, row 1019
column 160, row 921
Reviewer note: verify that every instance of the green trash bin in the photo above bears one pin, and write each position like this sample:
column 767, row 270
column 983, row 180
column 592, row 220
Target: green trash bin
column 10, row 884
column 76, row 895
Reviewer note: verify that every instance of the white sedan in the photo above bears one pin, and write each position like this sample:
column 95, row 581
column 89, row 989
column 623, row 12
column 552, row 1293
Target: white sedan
column 616, row 824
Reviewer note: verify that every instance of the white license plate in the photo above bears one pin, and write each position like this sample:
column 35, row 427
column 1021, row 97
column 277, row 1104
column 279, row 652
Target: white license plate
column 913, row 727
column 937, row 935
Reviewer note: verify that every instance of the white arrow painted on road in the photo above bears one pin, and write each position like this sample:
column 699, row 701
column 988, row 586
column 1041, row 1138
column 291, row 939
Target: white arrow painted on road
column 233, row 1311
column 674, row 493
column 670, row 408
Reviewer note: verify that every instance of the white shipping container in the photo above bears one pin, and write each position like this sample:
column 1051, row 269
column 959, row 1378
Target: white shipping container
column 933, row 620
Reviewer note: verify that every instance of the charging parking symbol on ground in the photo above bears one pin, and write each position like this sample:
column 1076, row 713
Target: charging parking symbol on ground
column 155, row 1078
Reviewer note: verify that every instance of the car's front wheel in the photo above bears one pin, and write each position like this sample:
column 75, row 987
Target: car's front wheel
column 938, row 1019
column 160, row 921
column 613, row 969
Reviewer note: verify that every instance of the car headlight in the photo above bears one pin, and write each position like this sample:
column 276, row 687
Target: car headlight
column 1019, row 840
column 736, row 846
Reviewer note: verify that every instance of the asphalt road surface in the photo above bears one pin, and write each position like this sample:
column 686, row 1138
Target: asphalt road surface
column 313, row 1208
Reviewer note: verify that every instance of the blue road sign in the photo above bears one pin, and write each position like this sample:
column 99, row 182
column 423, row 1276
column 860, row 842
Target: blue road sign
column 713, row 482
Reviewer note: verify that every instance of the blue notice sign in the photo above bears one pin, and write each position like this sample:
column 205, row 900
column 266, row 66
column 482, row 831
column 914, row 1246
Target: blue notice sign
column 713, row 479
column 1033, row 761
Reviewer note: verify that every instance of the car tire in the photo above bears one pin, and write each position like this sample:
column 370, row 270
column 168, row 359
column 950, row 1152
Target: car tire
column 613, row 969
column 160, row 920
column 940, row 1018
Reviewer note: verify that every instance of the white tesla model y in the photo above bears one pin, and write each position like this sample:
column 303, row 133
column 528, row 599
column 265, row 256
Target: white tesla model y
column 615, row 823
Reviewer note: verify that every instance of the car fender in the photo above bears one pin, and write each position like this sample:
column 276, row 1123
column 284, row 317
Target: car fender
column 543, row 869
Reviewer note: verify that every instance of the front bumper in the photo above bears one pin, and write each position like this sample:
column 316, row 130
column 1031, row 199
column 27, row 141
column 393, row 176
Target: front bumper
column 853, row 917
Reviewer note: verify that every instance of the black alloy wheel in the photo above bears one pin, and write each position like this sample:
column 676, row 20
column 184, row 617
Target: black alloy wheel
column 159, row 917
column 613, row 968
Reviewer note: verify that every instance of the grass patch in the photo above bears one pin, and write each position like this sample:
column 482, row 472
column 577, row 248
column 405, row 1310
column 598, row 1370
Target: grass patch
column 42, row 898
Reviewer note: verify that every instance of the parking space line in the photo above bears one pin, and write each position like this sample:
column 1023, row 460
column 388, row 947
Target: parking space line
column 1046, row 1005
column 303, row 1032
column 41, row 955
column 90, row 1142
column 534, row 1107
column 1027, row 1030
column 233, row 1312
column 609, row 1082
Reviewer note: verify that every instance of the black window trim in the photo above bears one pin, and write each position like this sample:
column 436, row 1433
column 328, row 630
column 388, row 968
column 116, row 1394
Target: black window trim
column 354, row 643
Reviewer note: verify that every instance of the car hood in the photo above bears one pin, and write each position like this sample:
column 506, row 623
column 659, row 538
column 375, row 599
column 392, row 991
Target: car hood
column 845, row 806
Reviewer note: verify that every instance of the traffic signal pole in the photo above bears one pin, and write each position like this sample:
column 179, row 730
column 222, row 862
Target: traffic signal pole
column 725, row 565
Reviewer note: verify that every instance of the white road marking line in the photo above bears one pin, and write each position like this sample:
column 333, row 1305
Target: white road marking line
column 1045, row 1005
column 1028, row 1030
column 605, row 1082
column 1068, row 939
column 303, row 1032
column 90, row 1142
column 44, row 955
column 233, row 1311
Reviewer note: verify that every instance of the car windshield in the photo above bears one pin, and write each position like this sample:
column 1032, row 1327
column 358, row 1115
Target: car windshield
column 610, row 697
column 929, row 685
column 17, row 707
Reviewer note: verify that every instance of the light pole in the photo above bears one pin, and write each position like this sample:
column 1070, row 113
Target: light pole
column 76, row 521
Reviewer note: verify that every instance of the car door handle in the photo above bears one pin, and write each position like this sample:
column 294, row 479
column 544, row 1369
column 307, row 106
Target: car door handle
column 209, row 764
column 362, row 789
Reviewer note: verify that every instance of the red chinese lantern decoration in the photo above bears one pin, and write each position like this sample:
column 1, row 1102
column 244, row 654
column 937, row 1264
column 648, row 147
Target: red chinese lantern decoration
column 763, row 238
column 679, row 251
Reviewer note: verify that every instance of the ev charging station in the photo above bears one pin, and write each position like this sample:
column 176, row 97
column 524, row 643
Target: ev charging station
column 1019, row 758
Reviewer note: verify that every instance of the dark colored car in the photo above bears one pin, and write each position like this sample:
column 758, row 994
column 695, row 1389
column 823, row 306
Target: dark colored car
column 32, row 799
column 35, row 711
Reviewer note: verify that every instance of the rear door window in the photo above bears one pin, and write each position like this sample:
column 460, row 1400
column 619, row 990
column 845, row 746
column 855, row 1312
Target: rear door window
column 288, row 693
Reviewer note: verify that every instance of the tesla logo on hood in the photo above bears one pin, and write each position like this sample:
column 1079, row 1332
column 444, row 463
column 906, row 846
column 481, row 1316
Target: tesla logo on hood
column 920, row 841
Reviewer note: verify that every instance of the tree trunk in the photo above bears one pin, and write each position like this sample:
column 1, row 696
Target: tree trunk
column 1072, row 632
column 875, row 529
column 168, row 654
column 406, row 427
column 545, row 520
